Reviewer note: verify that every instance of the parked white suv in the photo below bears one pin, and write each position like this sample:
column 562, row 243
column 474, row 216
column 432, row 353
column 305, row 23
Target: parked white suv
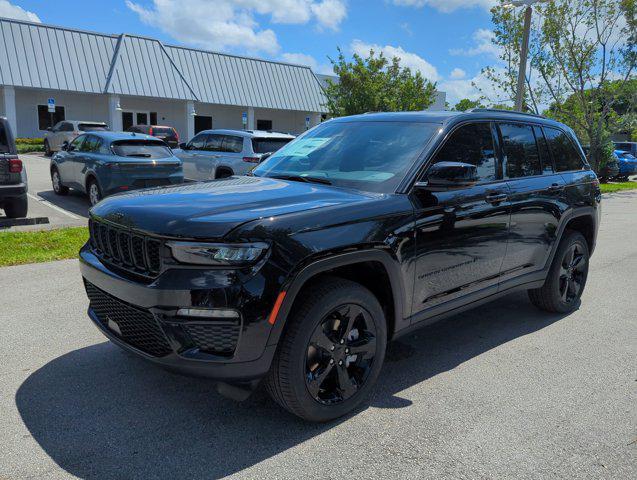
column 222, row 153
column 66, row 131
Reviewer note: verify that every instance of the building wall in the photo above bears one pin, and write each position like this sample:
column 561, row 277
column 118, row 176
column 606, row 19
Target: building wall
column 286, row 121
column 77, row 106
column 169, row 112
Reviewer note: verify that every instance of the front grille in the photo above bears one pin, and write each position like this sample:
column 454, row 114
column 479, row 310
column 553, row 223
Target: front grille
column 136, row 253
column 138, row 327
column 214, row 338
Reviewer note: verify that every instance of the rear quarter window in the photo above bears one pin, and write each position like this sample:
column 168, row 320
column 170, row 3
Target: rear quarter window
column 167, row 131
column 565, row 155
column 141, row 149
column 90, row 127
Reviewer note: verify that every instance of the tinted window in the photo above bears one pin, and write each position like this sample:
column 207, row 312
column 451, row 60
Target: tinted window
column 471, row 144
column 163, row 131
column 92, row 127
column 370, row 156
column 91, row 144
column 198, row 142
column 545, row 156
column 233, row 144
column 265, row 145
column 141, row 149
column 214, row 143
column 520, row 154
column 66, row 127
column 564, row 153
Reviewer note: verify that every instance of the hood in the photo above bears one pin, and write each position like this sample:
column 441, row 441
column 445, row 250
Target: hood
column 212, row 209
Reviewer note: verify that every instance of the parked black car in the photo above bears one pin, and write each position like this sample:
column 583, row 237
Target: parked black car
column 13, row 176
column 357, row 232
column 163, row 132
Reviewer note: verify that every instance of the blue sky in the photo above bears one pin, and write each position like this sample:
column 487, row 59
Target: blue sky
column 447, row 40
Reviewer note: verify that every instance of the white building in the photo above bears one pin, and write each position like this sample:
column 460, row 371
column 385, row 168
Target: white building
column 127, row 79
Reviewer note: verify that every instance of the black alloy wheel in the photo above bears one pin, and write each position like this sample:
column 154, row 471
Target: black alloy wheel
column 566, row 278
column 340, row 354
column 331, row 352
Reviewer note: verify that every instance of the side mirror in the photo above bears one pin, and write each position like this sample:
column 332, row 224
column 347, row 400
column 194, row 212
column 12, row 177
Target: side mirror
column 65, row 145
column 183, row 146
column 448, row 175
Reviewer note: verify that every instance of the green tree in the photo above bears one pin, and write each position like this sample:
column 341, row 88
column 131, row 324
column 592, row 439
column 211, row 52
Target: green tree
column 466, row 104
column 576, row 48
column 376, row 84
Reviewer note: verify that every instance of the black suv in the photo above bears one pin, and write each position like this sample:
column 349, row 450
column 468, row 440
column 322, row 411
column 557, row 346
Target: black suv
column 13, row 176
column 359, row 231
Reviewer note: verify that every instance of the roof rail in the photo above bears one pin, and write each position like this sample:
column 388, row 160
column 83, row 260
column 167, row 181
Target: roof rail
column 500, row 110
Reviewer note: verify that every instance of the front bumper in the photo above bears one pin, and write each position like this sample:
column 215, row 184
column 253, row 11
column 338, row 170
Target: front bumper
column 175, row 346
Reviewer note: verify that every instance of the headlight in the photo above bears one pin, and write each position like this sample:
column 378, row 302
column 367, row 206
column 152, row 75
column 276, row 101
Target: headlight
column 217, row 253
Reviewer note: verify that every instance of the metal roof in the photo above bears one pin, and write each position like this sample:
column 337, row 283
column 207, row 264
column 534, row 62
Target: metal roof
column 44, row 56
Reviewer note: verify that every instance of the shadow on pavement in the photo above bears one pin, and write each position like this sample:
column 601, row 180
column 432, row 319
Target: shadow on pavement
column 100, row 413
column 75, row 202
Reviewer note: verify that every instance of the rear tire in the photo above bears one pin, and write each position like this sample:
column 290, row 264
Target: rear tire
column 17, row 207
column 93, row 191
column 331, row 354
column 567, row 276
column 56, row 181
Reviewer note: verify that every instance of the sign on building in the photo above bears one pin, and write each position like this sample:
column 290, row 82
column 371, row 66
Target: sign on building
column 51, row 105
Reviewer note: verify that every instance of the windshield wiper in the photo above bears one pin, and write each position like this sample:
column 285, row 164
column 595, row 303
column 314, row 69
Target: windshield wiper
column 301, row 178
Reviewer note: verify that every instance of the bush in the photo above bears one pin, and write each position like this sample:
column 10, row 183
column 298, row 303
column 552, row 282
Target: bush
column 27, row 148
column 29, row 141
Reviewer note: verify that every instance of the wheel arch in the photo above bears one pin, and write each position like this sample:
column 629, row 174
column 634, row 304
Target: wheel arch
column 349, row 265
column 584, row 220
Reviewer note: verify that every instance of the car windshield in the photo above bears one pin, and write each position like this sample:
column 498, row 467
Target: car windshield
column 92, row 127
column 365, row 155
column 141, row 149
column 266, row 145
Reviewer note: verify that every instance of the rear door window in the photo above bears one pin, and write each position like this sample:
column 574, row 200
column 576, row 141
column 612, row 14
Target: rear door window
column 214, row 143
column 565, row 155
column 472, row 144
column 520, row 154
column 233, row 144
column 267, row 145
column 141, row 149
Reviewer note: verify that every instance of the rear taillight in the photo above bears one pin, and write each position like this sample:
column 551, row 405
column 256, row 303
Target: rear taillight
column 150, row 131
column 15, row 165
column 252, row 159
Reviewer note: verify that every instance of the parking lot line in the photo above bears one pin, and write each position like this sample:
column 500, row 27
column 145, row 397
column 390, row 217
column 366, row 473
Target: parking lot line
column 54, row 207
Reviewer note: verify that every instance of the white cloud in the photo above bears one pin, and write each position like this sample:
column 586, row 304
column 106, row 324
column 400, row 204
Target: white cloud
column 329, row 13
column 309, row 61
column 483, row 45
column 446, row 6
column 471, row 88
column 458, row 73
column 407, row 59
column 232, row 24
column 8, row 10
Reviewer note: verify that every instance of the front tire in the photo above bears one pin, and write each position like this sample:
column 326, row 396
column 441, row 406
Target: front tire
column 332, row 352
column 567, row 276
column 56, row 182
column 94, row 192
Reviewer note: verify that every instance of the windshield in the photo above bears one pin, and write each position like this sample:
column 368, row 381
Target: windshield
column 370, row 156
column 141, row 149
column 267, row 145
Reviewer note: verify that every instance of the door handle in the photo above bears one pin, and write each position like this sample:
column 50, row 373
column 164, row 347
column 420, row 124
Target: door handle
column 556, row 187
column 496, row 197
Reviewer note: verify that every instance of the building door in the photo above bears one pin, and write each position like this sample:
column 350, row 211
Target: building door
column 202, row 122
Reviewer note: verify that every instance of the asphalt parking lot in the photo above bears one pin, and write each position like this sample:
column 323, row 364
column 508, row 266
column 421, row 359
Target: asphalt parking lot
column 71, row 210
column 503, row 391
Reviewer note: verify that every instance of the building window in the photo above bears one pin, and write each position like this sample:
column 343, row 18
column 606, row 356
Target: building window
column 153, row 118
column 264, row 124
column 47, row 119
column 127, row 120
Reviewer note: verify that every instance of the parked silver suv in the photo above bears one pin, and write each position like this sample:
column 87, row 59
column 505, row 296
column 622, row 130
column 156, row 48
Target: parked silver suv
column 66, row 131
column 222, row 153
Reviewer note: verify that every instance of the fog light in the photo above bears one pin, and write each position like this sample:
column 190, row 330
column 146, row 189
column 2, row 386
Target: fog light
column 208, row 313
